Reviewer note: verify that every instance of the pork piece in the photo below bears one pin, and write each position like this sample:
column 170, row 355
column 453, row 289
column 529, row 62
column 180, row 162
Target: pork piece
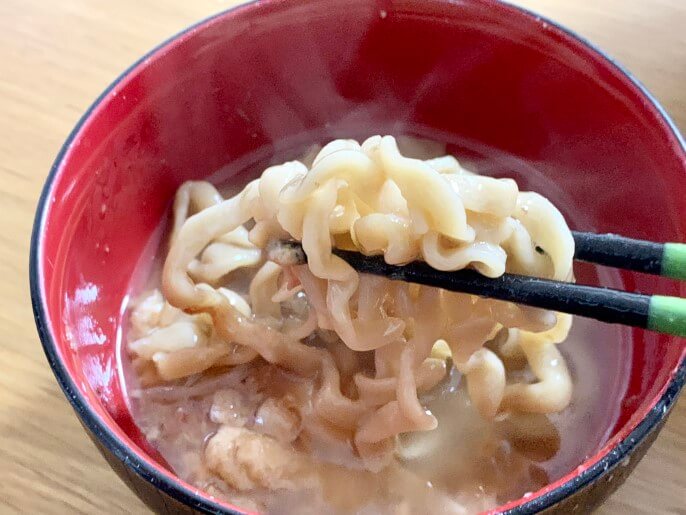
column 247, row 460
column 275, row 418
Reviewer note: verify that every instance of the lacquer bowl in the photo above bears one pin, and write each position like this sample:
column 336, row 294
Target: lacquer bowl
column 509, row 89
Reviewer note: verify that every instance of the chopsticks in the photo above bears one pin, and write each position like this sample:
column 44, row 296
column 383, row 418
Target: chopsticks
column 655, row 312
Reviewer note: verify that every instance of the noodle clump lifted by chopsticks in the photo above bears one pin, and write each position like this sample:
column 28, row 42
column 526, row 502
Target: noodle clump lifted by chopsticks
column 387, row 340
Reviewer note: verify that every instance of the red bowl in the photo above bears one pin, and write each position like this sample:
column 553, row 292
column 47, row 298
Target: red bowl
column 509, row 89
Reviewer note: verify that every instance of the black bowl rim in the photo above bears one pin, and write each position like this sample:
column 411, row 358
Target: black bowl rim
column 125, row 454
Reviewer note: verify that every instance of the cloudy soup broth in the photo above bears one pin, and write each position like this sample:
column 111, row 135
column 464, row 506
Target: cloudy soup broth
column 232, row 431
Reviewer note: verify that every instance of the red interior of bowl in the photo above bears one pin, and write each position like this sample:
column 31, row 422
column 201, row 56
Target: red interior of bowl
column 269, row 77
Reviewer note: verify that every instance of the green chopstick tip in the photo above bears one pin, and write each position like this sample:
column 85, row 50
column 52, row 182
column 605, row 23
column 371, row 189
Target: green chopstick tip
column 667, row 315
column 674, row 260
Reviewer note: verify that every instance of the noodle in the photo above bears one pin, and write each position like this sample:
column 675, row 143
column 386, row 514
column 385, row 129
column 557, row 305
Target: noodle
column 371, row 198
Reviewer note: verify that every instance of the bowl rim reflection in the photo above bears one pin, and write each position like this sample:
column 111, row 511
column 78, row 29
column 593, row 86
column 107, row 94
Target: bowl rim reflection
column 174, row 487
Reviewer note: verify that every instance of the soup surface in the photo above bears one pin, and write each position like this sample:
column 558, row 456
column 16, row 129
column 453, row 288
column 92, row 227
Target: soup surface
column 249, row 430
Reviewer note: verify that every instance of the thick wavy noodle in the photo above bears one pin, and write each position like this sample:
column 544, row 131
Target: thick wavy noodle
column 366, row 347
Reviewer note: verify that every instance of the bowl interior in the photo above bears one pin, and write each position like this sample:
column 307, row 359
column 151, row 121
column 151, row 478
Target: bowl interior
column 511, row 96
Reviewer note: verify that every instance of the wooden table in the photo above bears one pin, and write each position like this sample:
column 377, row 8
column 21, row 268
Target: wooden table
column 55, row 58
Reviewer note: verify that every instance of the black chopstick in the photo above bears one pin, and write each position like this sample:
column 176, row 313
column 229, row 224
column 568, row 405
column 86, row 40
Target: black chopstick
column 655, row 312
column 665, row 259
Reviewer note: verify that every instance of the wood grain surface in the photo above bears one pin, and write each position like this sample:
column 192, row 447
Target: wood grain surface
column 55, row 58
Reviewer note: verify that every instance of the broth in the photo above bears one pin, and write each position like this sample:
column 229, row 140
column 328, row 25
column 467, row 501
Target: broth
column 466, row 465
